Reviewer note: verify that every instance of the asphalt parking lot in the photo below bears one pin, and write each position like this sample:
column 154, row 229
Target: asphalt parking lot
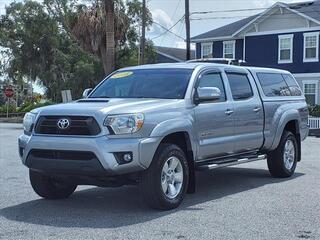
column 241, row 202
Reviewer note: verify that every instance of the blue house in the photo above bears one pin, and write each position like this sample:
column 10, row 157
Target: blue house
column 285, row 36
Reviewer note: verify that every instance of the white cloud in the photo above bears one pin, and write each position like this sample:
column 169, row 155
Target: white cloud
column 263, row 3
column 161, row 17
column 182, row 44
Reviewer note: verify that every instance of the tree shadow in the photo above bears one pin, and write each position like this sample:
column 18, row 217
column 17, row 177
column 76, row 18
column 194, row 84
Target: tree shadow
column 115, row 207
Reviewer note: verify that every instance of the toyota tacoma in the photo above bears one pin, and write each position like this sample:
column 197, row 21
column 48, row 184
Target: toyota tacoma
column 156, row 125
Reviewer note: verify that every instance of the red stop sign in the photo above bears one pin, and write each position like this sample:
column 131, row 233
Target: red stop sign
column 9, row 92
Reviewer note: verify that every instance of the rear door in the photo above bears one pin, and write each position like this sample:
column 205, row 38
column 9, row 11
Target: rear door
column 248, row 112
column 214, row 119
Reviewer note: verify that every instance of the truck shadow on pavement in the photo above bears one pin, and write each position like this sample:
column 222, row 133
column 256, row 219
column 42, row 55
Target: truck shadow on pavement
column 116, row 207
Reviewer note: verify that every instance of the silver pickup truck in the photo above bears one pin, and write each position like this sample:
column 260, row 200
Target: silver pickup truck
column 155, row 125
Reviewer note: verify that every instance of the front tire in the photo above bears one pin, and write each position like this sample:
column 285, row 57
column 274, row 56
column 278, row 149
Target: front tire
column 50, row 187
column 164, row 184
column 283, row 160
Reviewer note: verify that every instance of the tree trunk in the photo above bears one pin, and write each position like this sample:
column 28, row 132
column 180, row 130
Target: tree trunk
column 103, row 57
column 109, row 59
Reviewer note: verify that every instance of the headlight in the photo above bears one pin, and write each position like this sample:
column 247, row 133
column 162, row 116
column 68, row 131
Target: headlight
column 28, row 122
column 124, row 123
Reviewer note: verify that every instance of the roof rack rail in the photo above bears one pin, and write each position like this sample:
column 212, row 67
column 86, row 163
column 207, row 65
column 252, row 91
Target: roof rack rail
column 228, row 61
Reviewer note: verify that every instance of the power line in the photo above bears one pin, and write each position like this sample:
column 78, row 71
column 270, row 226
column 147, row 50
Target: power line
column 229, row 10
column 246, row 16
column 179, row 32
column 239, row 10
column 172, row 17
column 168, row 29
column 175, row 11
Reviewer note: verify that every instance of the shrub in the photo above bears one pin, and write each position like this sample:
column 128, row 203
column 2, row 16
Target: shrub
column 314, row 111
column 25, row 107
column 28, row 106
column 3, row 108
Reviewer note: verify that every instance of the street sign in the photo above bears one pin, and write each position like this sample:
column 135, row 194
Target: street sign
column 8, row 91
column 66, row 96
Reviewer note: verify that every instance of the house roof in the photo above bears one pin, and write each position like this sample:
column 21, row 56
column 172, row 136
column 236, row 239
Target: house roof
column 225, row 31
column 177, row 54
column 309, row 9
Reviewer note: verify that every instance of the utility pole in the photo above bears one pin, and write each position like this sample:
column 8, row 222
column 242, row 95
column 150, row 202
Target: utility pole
column 143, row 30
column 187, row 18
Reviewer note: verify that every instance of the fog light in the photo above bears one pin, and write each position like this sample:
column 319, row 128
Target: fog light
column 123, row 157
column 127, row 157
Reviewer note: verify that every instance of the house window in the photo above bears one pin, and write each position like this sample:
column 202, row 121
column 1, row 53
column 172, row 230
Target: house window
column 310, row 89
column 285, row 48
column 311, row 47
column 229, row 49
column 206, row 50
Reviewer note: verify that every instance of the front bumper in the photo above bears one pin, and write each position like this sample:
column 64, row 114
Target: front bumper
column 102, row 147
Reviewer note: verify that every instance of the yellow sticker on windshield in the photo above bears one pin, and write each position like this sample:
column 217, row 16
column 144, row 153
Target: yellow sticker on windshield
column 122, row 75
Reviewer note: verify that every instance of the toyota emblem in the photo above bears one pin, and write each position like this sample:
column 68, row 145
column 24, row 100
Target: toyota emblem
column 63, row 123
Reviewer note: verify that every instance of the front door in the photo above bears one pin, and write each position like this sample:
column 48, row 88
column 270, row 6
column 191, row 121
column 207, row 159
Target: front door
column 214, row 120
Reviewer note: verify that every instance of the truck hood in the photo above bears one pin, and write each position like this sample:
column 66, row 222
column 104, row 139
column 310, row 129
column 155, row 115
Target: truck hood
column 110, row 106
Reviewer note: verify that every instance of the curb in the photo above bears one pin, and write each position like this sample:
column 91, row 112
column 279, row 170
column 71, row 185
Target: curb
column 11, row 120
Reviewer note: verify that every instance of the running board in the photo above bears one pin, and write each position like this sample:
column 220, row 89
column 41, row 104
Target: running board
column 211, row 166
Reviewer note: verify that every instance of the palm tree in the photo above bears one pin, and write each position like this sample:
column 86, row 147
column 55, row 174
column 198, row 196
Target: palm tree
column 110, row 43
column 100, row 28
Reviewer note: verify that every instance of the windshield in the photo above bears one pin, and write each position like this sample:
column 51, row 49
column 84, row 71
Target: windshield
column 146, row 83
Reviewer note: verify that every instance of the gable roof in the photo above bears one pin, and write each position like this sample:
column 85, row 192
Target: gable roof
column 225, row 31
column 177, row 54
column 310, row 10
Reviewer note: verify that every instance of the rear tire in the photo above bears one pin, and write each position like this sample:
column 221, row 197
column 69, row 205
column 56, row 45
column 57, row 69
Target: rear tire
column 164, row 184
column 50, row 187
column 282, row 161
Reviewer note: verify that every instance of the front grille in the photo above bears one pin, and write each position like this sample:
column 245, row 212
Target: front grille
column 62, row 155
column 79, row 125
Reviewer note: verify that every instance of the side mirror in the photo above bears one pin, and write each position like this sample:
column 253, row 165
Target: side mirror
column 205, row 94
column 86, row 92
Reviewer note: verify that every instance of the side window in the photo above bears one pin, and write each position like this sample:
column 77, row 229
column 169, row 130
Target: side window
column 292, row 84
column 310, row 89
column 240, row 86
column 273, row 84
column 213, row 80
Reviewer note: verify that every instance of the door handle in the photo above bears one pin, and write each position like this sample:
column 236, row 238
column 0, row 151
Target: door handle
column 257, row 109
column 228, row 112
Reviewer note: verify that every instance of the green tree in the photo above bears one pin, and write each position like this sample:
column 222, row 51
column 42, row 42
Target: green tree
column 106, row 28
column 41, row 50
column 56, row 43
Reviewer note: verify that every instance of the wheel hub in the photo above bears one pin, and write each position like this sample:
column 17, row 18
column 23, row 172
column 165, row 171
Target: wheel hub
column 289, row 154
column 172, row 177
